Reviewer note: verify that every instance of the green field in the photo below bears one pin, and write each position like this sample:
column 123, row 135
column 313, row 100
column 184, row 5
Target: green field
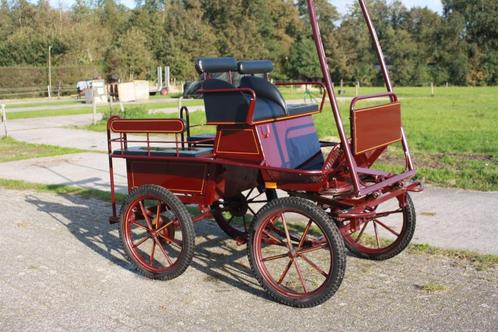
column 453, row 135
column 10, row 150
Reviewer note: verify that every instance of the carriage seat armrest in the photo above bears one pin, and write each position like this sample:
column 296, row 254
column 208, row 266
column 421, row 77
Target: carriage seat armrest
column 153, row 126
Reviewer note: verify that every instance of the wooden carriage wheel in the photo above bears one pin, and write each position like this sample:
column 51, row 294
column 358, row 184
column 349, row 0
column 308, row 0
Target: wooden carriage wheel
column 384, row 236
column 296, row 252
column 157, row 232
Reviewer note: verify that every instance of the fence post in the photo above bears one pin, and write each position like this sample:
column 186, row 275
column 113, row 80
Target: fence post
column 4, row 120
column 432, row 89
column 94, row 108
column 357, row 88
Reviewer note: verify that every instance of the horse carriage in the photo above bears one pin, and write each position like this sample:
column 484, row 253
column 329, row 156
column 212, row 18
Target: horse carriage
column 267, row 179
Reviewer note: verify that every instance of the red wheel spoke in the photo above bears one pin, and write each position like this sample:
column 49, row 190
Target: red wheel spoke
column 173, row 242
column 146, row 217
column 273, row 237
column 376, row 234
column 140, row 225
column 164, row 227
column 284, row 273
column 316, row 267
column 272, row 258
column 142, row 241
column 386, row 213
column 152, row 254
column 300, row 275
column 249, row 194
column 170, row 262
column 308, row 250
column 252, row 199
column 306, row 230
column 158, row 213
column 287, row 235
column 386, row 227
column 361, row 232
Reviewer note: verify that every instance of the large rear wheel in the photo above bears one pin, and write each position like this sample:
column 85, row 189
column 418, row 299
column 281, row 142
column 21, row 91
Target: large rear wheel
column 296, row 252
column 157, row 232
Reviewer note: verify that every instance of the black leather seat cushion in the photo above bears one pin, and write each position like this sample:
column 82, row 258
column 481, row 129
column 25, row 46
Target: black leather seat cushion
column 224, row 106
column 269, row 102
column 301, row 109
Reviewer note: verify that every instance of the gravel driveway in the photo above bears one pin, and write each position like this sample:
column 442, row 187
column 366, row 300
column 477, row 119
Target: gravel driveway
column 62, row 268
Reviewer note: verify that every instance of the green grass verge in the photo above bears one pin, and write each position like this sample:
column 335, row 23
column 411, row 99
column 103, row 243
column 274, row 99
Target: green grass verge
column 11, row 150
column 44, row 103
column 100, row 109
column 480, row 261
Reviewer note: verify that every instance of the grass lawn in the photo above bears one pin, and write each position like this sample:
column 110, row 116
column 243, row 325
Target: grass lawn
column 43, row 103
column 101, row 109
column 10, row 150
column 453, row 135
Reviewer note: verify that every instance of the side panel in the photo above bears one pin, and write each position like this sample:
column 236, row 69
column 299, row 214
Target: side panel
column 178, row 177
column 238, row 143
column 375, row 127
column 289, row 143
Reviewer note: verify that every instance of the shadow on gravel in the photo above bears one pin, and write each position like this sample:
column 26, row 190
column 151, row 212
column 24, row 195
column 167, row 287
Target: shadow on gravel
column 87, row 221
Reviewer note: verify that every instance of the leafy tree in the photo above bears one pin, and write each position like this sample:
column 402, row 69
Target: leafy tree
column 130, row 58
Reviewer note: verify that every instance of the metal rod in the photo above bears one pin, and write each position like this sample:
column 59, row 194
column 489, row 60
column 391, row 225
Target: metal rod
column 330, row 91
column 4, row 120
column 378, row 48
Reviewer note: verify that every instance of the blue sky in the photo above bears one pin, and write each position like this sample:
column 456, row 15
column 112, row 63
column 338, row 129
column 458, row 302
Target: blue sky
column 342, row 5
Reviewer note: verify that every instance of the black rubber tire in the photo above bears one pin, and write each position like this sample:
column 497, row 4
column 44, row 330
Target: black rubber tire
column 235, row 233
column 330, row 230
column 409, row 226
column 186, row 227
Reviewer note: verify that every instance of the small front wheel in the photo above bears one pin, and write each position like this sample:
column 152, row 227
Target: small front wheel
column 384, row 235
column 157, row 232
column 296, row 252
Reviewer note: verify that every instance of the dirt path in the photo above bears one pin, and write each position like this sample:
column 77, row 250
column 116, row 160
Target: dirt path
column 63, row 269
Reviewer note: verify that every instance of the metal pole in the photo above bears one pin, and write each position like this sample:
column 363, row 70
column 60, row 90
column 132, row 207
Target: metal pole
column 49, row 71
column 378, row 48
column 94, row 107
column 330, row 91
column 4, row 120
column 167, row 73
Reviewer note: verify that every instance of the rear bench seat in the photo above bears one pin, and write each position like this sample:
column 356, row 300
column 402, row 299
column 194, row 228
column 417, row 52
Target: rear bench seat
column 232, row 107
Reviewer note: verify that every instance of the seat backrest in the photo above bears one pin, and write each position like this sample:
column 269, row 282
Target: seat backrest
column 216, row 65
column 224, row 107
column 252, row 67
column 265, row 93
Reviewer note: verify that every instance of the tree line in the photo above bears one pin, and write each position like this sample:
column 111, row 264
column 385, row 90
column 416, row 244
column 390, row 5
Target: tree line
column 460, row 46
